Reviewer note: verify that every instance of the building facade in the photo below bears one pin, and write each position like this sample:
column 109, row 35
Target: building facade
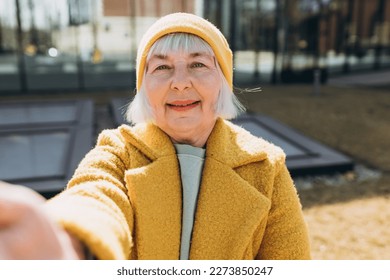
column 78, row 45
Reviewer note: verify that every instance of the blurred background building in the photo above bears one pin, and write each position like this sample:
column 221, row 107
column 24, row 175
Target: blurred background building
column 91, row 44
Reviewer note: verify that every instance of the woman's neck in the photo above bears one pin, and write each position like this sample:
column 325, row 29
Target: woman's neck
column 195, row 138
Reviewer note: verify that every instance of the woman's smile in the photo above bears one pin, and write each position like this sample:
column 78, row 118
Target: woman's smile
column 183, row 105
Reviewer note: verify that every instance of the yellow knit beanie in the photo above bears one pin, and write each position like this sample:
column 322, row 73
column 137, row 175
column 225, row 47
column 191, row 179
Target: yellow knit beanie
column 186, row 23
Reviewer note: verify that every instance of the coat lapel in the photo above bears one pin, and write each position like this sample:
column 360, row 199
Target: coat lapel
column 155, row 193
column 229, row 209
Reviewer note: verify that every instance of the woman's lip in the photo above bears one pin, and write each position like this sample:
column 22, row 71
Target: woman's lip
column 183, row 105
column 182, row 102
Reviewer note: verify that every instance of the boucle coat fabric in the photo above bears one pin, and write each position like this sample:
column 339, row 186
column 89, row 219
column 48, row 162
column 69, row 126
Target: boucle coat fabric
column 125, row 200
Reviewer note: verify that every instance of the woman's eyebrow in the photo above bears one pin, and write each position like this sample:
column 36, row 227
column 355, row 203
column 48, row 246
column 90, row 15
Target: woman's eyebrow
column 155, row 57
column 196, row 54
column 192, row 55
column 159, row 56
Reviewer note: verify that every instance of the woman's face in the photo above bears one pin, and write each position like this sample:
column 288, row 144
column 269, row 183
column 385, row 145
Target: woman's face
column 183, row 89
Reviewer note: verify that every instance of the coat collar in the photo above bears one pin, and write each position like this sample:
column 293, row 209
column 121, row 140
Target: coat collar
column 227, row 143
column 155, row 193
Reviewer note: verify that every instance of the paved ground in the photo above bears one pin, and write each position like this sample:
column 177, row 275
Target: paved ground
column 373, row 79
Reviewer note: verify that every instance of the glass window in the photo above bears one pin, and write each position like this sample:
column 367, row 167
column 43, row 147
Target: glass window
column 9, row 71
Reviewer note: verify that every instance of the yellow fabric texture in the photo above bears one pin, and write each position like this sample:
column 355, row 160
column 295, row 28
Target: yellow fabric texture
column 186, row 23
column 125, row 199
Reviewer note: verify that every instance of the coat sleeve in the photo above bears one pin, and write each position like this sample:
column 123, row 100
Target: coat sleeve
column 95, row 206
column 286, row 236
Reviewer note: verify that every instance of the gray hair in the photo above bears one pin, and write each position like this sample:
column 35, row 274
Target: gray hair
column 228, row 106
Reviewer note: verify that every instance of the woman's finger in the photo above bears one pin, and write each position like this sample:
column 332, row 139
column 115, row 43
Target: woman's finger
column 16, row 200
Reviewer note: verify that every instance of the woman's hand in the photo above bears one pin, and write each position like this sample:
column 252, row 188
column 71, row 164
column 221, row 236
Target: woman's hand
column 26, row 231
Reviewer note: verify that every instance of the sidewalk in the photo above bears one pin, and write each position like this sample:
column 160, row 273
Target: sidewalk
column 372, row 79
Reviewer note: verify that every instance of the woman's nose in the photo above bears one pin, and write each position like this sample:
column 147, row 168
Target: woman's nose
column 181, row 79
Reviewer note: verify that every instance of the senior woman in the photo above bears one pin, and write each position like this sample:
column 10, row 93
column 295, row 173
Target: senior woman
column 183, row 182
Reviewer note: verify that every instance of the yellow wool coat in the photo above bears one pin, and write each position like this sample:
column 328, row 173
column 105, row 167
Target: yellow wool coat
column 125, row 201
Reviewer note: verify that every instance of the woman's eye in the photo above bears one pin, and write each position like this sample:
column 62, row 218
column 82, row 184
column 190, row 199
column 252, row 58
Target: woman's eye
column 197, row 65
column 162, row 67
